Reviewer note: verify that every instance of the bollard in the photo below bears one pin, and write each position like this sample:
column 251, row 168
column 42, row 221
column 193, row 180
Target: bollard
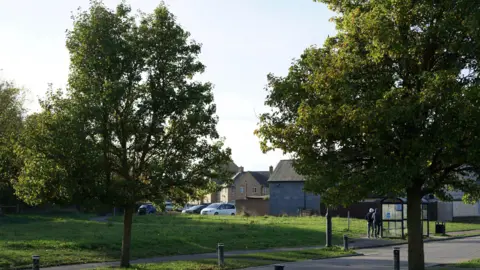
column 345, row 242
column 278, row 267
column 396, row 258
column 221, row 259
column 329, row 230
column 35, row 262
column 348, row 220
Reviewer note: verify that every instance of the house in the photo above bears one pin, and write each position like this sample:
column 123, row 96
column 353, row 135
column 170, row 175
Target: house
column 217, row 196
column 286, row 191
column 457, row 210
column 246, row 184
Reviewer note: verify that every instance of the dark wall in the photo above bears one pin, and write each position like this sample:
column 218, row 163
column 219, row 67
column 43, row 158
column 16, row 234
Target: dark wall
column 360, row 209
column 288, row 197
column 252, row 207
column 357, row 210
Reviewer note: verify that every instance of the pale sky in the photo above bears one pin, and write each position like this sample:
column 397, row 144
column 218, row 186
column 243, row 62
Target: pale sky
column 242, row 41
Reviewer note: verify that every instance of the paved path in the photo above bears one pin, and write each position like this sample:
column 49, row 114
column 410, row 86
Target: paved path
column 357, row 243
column 439, row 252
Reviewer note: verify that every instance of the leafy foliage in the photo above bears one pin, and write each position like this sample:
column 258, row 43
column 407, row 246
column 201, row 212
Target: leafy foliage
column 388, row 106
column 134, row 125
column 11, row 122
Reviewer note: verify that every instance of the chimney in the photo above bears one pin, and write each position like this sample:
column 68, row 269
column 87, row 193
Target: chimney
column 270, row 169
column 240, row 169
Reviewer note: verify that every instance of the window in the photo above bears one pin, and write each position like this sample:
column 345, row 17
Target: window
column 264, row 191
column 254, row 189
column 241, row 190
column 229, row 206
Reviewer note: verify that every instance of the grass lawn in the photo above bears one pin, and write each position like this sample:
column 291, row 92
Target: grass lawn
column 248, row 260
column 300, row 255
column 208, row 264
column 69, row 239
column 475, row 264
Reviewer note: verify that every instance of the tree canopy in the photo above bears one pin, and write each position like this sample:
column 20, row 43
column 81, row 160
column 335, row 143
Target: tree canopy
column 133, row 125
column 388, row 106
column 11, row 122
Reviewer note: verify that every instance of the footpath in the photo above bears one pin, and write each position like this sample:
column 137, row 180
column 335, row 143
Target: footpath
column 437, row 253
column 367, row 247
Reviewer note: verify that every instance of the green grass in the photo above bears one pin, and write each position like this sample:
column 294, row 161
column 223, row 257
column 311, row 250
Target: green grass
column 207, row 264
column 469, row 264
column 248, row 260
column 74, row 239
column 299, row 255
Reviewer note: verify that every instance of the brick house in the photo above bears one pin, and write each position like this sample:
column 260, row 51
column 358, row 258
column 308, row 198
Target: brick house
column 217, row 196
column 246, row 184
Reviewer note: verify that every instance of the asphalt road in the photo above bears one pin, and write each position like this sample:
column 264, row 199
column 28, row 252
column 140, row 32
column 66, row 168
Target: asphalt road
column 440, row 252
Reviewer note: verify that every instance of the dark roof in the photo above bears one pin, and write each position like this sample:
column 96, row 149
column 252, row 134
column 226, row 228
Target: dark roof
column 232, row 167
column 260, row 176
column 284, row 172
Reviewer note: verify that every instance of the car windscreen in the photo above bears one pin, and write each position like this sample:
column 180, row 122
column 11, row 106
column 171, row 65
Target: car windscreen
column 214, row 205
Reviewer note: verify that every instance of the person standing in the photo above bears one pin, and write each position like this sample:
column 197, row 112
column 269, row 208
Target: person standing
column 369, row 218
column 377, row 223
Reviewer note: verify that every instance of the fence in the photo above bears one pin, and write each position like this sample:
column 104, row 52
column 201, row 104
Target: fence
column 253, row 207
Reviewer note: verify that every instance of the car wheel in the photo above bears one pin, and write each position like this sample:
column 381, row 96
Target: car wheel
column 216, row 214
column 233, row 214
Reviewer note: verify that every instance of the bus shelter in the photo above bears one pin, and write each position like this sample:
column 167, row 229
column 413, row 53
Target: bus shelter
column 394, row 217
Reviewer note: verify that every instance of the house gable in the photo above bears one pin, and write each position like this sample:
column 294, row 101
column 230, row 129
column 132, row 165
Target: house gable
column 284, row 172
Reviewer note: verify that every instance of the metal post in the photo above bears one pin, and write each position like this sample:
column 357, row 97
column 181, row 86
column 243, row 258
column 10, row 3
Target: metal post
column 345, row 242
column 348, row 220
column 278, row 267
column 329, row 230
column 221, row 259
column 396, row 258
column 35, row 262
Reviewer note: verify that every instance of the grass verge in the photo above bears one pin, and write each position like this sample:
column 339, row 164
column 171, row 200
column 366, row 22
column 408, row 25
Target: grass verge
column 61, row 240
column 299, row 255
column 248, row 260
column 475, row 264
column 207, row 264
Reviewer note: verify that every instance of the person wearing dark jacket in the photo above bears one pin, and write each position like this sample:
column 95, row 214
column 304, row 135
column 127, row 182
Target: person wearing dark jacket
column 377, row 222
column 369, row 218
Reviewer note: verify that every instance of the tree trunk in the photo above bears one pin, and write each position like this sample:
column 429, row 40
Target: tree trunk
column 416, row 258
column 127, row 236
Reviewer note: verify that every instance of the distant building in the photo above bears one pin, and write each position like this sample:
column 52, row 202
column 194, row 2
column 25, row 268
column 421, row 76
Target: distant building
column 286, row 191
column 217, row 196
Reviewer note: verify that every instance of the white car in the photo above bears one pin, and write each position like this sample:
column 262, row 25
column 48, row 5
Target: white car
column 219, row 209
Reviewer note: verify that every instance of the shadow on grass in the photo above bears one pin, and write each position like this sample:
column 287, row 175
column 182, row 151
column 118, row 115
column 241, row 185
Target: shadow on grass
column 70, row 239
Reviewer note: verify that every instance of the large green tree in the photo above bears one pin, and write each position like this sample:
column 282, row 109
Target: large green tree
column 134, row 125
column 11, row 122
column 390, row 105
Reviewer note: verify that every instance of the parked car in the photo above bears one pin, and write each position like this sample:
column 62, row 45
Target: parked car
column 146, row 209
column 219, row 209
column 180, row 209
column 168, row 206
column 196, row 209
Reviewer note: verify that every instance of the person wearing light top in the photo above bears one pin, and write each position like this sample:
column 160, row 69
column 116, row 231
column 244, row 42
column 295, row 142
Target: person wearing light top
column 369, row 218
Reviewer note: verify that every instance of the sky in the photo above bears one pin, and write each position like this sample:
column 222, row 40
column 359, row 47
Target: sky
column 242, row 41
